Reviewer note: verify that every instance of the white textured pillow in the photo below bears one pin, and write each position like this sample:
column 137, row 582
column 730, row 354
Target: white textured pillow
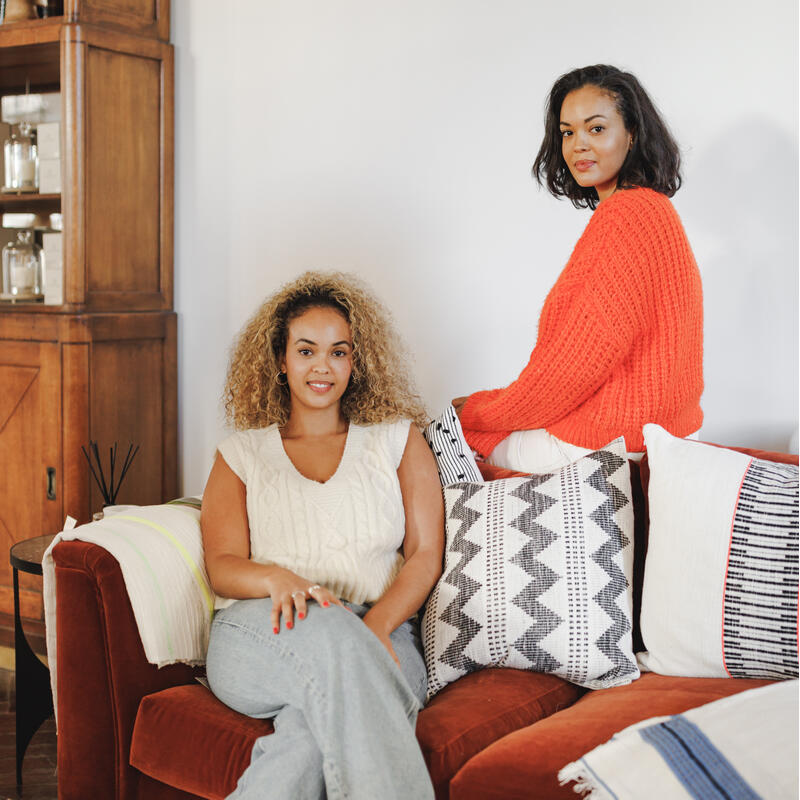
column 453, row 455
column 537, row 576
column 720, row 580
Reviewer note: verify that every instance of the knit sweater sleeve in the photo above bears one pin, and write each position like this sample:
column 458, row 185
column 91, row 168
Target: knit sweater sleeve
column 587, row 328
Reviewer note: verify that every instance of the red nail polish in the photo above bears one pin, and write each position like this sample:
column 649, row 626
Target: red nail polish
column 275, row 630
column 301, row 615
column 289, row 625
column 325, row 603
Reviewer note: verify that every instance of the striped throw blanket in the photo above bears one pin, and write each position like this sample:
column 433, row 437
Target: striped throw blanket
column 742, row 747
column 160, row 553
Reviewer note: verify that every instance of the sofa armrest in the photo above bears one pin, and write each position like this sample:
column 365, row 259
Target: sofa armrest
column 102, row 674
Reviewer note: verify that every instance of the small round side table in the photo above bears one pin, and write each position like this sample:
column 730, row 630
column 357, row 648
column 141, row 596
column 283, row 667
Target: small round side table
column 34, row 696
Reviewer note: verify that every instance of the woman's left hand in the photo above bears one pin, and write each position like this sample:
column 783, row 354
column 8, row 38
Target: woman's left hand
column 382, row 634
column 458, row 404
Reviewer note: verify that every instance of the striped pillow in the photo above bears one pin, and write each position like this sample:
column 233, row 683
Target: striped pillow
column 721, row 574
column 454, row 458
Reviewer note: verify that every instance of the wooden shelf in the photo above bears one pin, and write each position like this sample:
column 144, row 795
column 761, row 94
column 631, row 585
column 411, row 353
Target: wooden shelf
column 30, row 55
column 28, row 199
column 27, row 308
column 41, row 204
column 30, row 31
column 8, row 305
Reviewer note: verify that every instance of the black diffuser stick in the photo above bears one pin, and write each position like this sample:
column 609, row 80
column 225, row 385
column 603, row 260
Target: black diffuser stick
column 126, row 466
column 112, row 452
column 104, row 488
column 94, row 474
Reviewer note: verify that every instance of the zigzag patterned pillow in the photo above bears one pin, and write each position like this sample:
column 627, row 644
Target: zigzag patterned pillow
column 537, row 576
column 454, row 459
column 721, row 575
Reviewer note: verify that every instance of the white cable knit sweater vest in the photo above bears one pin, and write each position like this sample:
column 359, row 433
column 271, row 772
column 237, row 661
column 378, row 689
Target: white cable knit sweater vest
column 343, row 534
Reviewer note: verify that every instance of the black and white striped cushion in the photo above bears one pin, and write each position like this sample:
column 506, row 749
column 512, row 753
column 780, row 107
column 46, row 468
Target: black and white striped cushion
column 454, row 458
column 721, row 576
column 760, row 607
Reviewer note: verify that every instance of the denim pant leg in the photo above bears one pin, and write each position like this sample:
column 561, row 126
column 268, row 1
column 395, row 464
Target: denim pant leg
column 284, row 764
column 344, row 690
column 407, row 646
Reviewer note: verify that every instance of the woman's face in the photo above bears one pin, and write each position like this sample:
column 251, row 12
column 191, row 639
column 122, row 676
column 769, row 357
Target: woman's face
column 594, row 139
column 319, row 358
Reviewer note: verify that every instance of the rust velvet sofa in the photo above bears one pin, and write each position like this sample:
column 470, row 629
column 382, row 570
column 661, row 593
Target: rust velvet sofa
column 129, row 730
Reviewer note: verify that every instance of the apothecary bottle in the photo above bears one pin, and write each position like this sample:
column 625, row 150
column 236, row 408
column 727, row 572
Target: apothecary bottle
column 21, row 160
column 22, row 269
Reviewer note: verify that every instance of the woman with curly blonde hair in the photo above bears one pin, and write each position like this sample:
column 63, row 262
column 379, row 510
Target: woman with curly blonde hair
column 324, row 506
column 379, row 388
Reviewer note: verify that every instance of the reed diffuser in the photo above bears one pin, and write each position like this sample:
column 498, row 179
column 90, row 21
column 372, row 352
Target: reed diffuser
column 106, row 481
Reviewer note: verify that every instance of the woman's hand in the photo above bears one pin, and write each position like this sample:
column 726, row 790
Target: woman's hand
column 289, row 591
column 458, row 404
column 380, row 631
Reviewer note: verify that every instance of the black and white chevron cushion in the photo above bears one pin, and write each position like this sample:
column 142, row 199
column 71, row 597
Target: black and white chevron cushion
column 454, row 458
column 537, row 576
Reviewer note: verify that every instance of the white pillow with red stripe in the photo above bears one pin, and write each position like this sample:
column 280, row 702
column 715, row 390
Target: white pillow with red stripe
column 720, row 596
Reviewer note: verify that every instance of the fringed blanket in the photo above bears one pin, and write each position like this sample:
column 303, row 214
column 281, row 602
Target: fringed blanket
column 160, row 553
column 742, row 747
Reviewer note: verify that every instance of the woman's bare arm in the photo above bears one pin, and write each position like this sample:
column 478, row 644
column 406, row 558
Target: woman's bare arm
column 423, row 546
column 226, row 536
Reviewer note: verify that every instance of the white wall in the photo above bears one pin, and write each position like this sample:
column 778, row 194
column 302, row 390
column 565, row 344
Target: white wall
column 395, row 140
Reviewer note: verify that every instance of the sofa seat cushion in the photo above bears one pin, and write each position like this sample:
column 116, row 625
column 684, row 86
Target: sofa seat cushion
column 188, row 739
column 185, row 737
column 480, row 708
column 525, row 763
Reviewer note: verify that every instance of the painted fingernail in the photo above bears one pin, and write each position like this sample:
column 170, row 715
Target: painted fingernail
column 275, row 630
column 301, row 615
column 289, row 625
column 325, row 603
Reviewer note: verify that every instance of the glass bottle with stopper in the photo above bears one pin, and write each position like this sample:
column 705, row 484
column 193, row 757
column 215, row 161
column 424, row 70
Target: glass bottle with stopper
column 22, row 269
column 21, row 160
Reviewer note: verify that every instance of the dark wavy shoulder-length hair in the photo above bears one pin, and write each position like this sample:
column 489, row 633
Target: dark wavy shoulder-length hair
column 654, row 159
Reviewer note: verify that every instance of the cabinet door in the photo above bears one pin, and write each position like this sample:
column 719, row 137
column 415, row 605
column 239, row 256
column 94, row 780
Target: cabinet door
column 30, row 445
column 118, row 197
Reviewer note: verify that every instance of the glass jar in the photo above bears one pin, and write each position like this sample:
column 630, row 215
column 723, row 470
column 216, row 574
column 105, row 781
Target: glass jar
column 22, row 269
column 22, row 162
column 49, row 8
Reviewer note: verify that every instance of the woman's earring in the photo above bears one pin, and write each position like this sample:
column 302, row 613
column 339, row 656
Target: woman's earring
column 284, row 382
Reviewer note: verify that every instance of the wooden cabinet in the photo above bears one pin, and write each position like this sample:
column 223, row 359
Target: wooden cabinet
column 145, row 17
column 102, row 366
column 117, row 158
column 30, row 442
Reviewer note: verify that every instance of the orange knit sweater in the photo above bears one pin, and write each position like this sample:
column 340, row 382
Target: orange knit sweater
column 620, row 339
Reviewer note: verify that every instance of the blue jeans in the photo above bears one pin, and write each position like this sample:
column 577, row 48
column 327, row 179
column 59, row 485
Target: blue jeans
column 344, row 714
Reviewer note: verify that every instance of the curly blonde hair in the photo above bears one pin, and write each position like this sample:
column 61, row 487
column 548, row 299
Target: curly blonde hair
column 380, row 388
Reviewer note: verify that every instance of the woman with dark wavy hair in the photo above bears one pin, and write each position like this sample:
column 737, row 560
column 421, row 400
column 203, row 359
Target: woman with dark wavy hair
column 620, row 338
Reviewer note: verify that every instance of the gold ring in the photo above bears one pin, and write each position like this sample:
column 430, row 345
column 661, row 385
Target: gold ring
column 315, row 586
column 294, row 594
